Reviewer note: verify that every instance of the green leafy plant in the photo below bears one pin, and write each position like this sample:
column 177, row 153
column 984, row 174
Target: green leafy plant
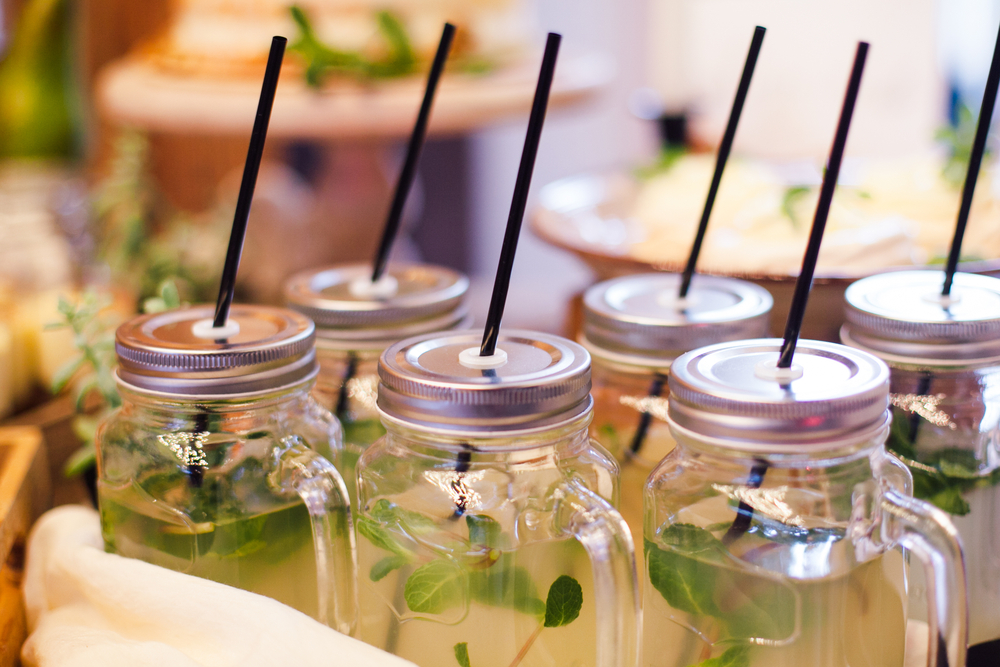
column 392, row 56
column 941, row 477
column 480, row 569
column 694, row 575
column 96, row 393
column 462, row 654
column 395, row 60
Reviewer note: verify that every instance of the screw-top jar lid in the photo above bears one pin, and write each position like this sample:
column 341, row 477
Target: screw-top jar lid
column 732, row 393
column 902, row 317
column 350, row 311
column 267, row 348
column 544, row 382
column 639, row 319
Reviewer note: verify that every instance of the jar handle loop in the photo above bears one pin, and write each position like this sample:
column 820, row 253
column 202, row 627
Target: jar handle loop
column 930, row 535
column 321, row 488
column 608, row 542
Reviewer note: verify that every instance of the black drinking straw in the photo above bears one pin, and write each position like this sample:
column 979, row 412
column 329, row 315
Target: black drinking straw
column 227, row 285
column 975, row 160
column 802, row 286
column 720, row 160
column 744, row 513
column 535, row 122
column 645, row 419
column 412, row 154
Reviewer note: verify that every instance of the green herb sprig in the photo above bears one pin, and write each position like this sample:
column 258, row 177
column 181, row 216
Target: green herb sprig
column 482, row 572
column 941, row 477
column 323, row 61
column 93, row 337
column 692, row 576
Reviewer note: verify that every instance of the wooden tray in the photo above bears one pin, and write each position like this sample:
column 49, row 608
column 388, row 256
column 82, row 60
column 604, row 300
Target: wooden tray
column 25, row 492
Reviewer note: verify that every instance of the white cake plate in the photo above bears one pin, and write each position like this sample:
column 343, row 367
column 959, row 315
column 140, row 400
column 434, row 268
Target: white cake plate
column 134, row 92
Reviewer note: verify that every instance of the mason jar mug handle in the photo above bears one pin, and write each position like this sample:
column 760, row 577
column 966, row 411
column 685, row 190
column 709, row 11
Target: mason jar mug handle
column 608, row 542
column 320, row 486
column 929, row 534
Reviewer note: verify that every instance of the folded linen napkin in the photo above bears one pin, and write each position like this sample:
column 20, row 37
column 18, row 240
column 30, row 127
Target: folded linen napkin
column 87, row 608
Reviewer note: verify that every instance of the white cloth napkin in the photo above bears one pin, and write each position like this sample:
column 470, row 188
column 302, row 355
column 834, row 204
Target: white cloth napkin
column 86, row 607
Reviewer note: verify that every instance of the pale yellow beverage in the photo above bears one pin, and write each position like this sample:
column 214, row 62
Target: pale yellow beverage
column 267, row 552
column 717, row 610
column 493, row 601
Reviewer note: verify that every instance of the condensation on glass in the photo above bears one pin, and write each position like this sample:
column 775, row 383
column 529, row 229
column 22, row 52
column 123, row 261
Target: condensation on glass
column 634, row 327
column 356, row 320
column 944, row 360
column 486, row 522
column 218, row 463
column 774, row 530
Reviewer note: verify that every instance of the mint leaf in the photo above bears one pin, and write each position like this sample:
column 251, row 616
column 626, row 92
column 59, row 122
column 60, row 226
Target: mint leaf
column 954, row 469
column 407, row 521
column 385, row 566
column 685, row 583
column 483, row 530
column 941, row 492
column 435, row 587
column 748, row 606
column 564, row 602
column 380, row 536
column 954, row 462
column 506, row 586
column 462, row 654
column 899, row 441
column 691, row 539
column 736, row 656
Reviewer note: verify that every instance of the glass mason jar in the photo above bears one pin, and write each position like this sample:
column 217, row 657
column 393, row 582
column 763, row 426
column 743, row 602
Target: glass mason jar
column 486, row 528
column 944, row 361
column 211, row 465
column 773, row 530
column 634, row 327
column 355, row 321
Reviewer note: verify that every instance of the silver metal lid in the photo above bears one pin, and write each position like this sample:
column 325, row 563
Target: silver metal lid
column 166, row 352
column 901, row 317
column 732, row 393
column 339, row 299
column 641, row 316
column 544, row 382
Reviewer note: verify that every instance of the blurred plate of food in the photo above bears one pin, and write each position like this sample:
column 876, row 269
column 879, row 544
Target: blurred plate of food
column 886, row 215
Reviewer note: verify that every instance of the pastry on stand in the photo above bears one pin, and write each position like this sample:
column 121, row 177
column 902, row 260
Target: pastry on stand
column 355, row 124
